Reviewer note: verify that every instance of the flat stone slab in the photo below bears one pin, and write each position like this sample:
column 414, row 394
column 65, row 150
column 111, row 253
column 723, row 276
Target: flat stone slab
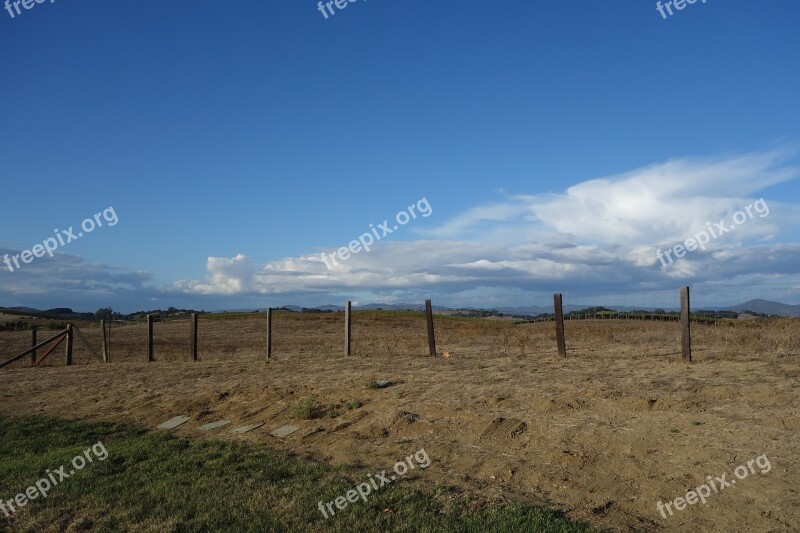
column 283, row 431
column 214, row 425
column 247, row 429
column 174, row 422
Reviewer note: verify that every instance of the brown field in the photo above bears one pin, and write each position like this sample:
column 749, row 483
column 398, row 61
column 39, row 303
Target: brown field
column 603, row 435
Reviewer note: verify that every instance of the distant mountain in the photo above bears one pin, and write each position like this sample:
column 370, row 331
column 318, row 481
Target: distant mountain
column 367, row 307
column 756, row 306
column 767, row 307
column 395, row 307
column 534, row 310
column 24, row 309
column 335, row 308
column 60, row 313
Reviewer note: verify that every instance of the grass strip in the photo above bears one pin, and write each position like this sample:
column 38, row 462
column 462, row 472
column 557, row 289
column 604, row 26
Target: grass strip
column 153, row 481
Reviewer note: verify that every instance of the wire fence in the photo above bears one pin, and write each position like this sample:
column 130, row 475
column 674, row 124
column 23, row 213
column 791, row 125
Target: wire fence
column 728, row 322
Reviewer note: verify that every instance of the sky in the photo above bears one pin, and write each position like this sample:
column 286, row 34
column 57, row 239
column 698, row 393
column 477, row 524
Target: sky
column 552, row 146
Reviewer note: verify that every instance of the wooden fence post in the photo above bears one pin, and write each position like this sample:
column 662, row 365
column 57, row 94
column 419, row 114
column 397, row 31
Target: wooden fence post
column 559, row 314
column 110, row 325
column 69, row 345
column 33, row 343
column 348, row 327
column 269, row 334
column 105, row 341
column 150, row 357
column 431, row 336
column 686, row 332
column 194, row 336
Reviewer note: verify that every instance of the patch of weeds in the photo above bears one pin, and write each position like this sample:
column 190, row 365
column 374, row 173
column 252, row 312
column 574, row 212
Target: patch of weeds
column 332, row 411
column 304, row 409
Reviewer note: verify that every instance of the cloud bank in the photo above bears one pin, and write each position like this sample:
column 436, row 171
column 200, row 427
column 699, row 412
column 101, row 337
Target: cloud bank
column 599, row 233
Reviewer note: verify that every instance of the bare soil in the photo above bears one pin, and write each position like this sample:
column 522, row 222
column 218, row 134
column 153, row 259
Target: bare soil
column 603, row 435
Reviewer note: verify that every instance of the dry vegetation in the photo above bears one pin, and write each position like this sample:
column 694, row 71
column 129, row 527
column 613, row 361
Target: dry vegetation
column 604, row 434
column 222, row 337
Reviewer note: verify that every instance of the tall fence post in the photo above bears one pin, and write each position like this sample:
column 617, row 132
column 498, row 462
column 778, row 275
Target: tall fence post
column 110, row 325
column 105, row 341
column 269, row 333
column 33, row 343
column 150, row 357
column 686, row 331
column 348, row 327
column 68, row 355
column 431, row 336
column 194, row 336
column 559, row 314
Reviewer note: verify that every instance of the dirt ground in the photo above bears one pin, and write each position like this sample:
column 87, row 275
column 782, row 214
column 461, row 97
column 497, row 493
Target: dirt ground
column 603, row 435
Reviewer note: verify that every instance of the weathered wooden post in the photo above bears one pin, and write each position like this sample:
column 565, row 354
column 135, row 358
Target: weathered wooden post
column 269, row 334
column 150, row 357
column 33, row 344
column 69, row 345
column 559, row 314
column 686, row 333
column 348, row 325
column 110, row 325
column 105, row 341
column 194, row 336
column 431, row 336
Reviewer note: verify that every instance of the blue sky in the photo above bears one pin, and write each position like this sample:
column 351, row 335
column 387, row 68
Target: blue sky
column 559, row 144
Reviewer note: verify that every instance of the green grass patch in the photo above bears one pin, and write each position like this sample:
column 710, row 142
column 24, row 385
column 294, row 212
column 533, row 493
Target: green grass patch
column 153, row 481
column 304, row 409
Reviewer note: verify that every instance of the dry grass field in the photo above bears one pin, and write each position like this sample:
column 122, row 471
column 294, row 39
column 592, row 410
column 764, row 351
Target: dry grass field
column 603, row 435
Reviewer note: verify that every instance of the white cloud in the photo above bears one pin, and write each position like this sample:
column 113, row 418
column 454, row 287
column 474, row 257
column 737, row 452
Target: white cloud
column 598, row 233
column 66, row 280
column 225, row 276
column 660, row 203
